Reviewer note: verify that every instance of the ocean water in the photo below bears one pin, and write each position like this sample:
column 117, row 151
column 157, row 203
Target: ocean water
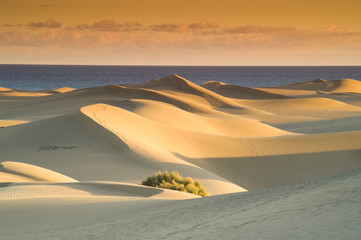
column 40, row 77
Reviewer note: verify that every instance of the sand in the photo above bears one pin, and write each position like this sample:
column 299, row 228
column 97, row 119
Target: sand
column 280, row 162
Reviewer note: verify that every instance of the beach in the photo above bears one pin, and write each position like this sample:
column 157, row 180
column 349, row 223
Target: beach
column 280, row 162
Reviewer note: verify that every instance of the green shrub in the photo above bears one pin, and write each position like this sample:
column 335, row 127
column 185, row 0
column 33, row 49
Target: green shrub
column 175, row 182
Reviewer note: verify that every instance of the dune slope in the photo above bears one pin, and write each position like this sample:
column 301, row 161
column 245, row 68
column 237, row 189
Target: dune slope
column 322, row 209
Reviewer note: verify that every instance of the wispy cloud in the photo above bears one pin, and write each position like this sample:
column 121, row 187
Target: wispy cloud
column 48, row 23
column 11, row 25
column 258, row 29
column 113, row 26
column 107, row 25
column 204, row 24
column 283, row 37
column 166, row 27
column 179, row 28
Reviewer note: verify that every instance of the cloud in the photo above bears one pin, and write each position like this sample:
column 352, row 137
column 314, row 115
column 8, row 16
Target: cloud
column 179, row 28
column 204, row 24
column 132, row 26
column 48, row 23
column 108, row 26
column 257, row 36
column 258, row 29
column 11, row 25
column 165, row 27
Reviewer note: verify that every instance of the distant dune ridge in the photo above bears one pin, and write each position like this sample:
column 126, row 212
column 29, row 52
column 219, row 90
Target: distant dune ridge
column 84, row 152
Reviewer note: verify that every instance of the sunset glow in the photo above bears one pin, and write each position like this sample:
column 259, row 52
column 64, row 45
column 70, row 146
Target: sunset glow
column 143, row 32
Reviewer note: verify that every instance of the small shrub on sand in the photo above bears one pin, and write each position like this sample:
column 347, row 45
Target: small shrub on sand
column 175, row 182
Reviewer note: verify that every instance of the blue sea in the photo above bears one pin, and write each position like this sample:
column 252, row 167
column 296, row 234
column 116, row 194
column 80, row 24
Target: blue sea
column 40, row 77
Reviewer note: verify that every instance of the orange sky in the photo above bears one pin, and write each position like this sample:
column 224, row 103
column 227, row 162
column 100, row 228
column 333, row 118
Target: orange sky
column 159, row 32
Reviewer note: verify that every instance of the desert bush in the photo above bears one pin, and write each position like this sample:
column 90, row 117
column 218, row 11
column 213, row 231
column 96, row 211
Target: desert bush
column 175, row 182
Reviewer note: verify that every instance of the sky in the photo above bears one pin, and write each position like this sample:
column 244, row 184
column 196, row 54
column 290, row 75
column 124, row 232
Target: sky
column 172, row 32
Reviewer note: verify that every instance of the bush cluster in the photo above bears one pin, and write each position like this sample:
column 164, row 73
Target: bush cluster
column 175, row 182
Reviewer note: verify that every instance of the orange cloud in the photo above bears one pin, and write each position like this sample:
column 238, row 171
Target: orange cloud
column 204, row 24
column 108, row 25
column 165, row 27
column 11, row 25
column 179, row 28
column 258, row 29
column 48, row 23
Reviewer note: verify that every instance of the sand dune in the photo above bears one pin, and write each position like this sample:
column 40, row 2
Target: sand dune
column 70, row 142
column 322, row 209
column 188, row 91
column 177, row 84
column 346, row 86
column 233, row 91
column 7, row 123
column 23, row 94
column 63, row 89
column 2, row 89
column 307, row 107
column 322, row 126
column 92, row 191
column 84, row 152
column 336, row 86
column 295, row 93
column 22, row 172
column 269, row 162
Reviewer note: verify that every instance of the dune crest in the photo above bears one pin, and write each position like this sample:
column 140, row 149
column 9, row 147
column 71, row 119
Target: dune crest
column 214, row 84
column 239, row 92
column 63, row 89
column 179, row 84
column 8, row 123
column 3, row 89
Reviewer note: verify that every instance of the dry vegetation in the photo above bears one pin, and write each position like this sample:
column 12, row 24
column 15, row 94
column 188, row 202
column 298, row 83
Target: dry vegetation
column 175, row 182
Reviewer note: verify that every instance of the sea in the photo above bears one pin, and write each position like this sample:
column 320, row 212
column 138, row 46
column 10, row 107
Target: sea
column 41, row 77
